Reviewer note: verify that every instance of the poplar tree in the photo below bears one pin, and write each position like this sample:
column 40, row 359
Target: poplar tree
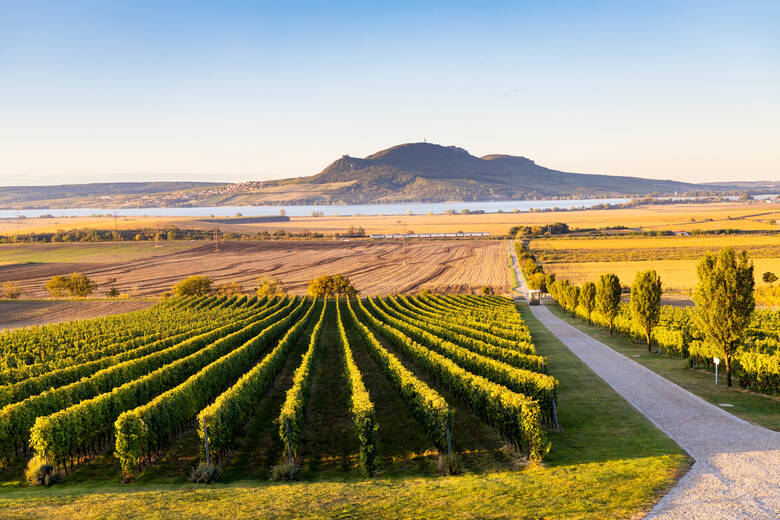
column 646, row 302
column 724, row 302
column 588, row 298
column 608, row 293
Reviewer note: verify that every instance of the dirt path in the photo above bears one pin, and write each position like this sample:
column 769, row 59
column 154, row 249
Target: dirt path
column 737, row 469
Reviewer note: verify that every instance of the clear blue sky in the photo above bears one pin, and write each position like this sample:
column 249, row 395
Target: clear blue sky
column 230, row 91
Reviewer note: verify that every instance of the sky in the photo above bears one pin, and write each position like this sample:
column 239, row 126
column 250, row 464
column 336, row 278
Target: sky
column 107, row 91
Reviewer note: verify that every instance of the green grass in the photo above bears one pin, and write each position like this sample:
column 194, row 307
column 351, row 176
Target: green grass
column 607, row 462
column 86, row 251
column 760, row 409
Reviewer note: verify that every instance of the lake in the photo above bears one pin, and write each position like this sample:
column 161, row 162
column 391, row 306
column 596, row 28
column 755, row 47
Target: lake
column 420, row 208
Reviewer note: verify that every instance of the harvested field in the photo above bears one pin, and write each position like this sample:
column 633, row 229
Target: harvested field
column 24, row 313
column 676, row 275
column 375, row 267
column 675, row 258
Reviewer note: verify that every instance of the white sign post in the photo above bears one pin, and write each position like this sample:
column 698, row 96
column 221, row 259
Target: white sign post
column 717, row 362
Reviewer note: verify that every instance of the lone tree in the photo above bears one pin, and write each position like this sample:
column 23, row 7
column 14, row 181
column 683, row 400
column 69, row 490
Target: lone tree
column 193, row 286
column 769, row 277
column 608, row 293
column 331, row 285
column 724, row 302
column 588, row 298
column 76, row 284
column 646, row 302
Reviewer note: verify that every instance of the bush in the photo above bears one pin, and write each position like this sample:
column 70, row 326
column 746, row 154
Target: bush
column 487, row 290
column 193, row 286
column 285, row 471
column 267, row 286
column 449, row 464
column 11, row 290
column 113, row 292
column 334, row 285
column 40, row 472
column 205, row 473
column 74, row 285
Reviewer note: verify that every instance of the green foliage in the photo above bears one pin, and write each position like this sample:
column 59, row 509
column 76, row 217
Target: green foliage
column 230, row 411
column 608, row 292
column 588, row 298
column 291, row 417
column 724, row 301
column 361, row 406
column 65, row 432
column 193, row 286
column 769, row 277
column 516, row 416
column 331, row 285
column 166, row 414
column 268, row 286
column 76, row 284
column 646, row 302
column 533, row 384
column 427, row 405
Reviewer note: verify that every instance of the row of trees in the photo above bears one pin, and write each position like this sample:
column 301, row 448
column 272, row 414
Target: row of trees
column 724, row 301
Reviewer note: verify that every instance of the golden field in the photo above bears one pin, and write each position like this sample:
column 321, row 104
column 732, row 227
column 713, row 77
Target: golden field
column 733, row 215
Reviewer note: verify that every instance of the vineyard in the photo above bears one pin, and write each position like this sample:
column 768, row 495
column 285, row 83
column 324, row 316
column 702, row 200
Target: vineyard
column 366, row 385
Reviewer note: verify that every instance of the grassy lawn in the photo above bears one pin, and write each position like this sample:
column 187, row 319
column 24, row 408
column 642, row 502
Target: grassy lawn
column 608, row 461
column 757, row 408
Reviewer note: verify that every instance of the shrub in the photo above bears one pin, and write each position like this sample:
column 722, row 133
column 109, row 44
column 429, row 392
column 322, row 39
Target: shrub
column 268, row 286
column 74, row 285
column 449, row 464
column 205, row 473
column 333, row 285
column 11, row 290
column 40, row 472
column 113, row 292
column 193, row 286
column 285, row 471
column 487, row 290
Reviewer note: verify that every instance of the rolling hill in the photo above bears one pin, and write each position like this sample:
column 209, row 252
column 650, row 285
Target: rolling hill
column 413, row 172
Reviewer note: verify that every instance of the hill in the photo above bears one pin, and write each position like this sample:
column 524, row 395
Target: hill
column 413, row 172
column 430, row 172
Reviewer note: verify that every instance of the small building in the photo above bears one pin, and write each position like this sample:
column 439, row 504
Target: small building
column 534, row 297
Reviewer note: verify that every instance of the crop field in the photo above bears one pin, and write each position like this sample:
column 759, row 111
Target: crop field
column 357, row 393
column 674, row 258
column 375, row 267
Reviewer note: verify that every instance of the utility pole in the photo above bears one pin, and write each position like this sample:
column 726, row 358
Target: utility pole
column 216, row 239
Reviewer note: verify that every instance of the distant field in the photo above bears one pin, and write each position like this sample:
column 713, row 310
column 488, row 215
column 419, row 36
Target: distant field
column 375, row 267
column 676, row 275
column 616, row 249
column 678, row 217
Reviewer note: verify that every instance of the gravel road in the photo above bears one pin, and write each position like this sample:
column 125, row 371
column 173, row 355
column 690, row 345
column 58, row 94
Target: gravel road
column 737, row 470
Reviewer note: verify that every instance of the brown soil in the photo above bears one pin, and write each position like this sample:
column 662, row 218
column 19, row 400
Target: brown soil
column 15, row 314
column 374, row 267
